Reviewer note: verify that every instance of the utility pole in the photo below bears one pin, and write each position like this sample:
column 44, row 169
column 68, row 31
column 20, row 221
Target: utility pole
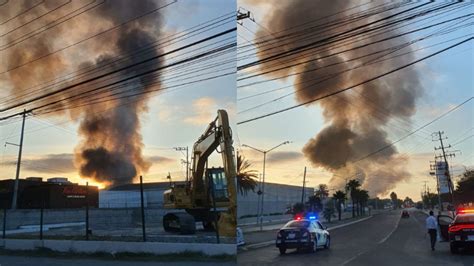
column 444, row 156
column 304, row 183
column 17, row 176
column 181, row 149
column 433, row 166
column 241, row 15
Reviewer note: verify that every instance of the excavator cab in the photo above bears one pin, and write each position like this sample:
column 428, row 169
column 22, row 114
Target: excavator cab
column 217, row 186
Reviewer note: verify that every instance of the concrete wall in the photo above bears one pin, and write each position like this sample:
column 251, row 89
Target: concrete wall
column 112, row 247
column 277, row 198
column 98, row 218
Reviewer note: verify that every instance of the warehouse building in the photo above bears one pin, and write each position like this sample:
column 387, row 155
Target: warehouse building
column 128, row 195
column 278, row 199
column 55, row 193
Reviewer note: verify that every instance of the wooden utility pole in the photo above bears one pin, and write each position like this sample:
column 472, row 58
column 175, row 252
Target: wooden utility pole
column 304, row 184
column 17, row 176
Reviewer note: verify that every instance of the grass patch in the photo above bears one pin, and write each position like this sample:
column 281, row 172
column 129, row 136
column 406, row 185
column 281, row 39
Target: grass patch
column 122, row 256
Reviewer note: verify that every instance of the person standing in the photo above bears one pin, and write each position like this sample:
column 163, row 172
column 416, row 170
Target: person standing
column 432, row 227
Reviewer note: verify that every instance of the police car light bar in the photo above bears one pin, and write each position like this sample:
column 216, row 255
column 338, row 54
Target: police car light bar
column 463, row 210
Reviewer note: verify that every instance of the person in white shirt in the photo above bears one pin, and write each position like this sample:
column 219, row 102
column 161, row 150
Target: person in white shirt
column 432, row 226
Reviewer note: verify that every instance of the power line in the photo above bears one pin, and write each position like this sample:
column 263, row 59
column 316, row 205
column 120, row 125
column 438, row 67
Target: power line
column 356, row 85
column 50, row 25
column 36, row 18
column 101, row 66
column 22, row 12
column 118, row 70
column 354, row 48
column 416, row 130
column 86, row 39
column 333, row 38
column 464, row 139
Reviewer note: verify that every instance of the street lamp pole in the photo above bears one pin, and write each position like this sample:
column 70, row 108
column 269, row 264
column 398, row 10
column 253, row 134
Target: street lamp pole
column 263, row 176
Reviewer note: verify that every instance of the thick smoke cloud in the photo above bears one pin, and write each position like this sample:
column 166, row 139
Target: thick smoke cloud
column 111, row 147
column 356, row 121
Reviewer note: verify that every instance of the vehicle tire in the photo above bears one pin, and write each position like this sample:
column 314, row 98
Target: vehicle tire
column 282, row 251
column 454, row 249
column 328, row 243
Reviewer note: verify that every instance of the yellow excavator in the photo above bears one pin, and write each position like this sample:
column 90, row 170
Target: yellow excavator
column 210, row 195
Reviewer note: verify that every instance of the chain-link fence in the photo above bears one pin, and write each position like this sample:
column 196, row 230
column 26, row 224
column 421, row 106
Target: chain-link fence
column 120, row 216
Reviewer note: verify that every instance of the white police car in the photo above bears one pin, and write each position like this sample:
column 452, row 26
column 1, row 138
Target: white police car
column 303, row 234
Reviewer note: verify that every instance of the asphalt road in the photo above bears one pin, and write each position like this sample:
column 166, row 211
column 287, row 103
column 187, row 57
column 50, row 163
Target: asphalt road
column 384, row 239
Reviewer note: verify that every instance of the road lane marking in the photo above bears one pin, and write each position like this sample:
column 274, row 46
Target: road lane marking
column 393, row 230
column 353, row 258
column 258, row 245
column 380, row 242
column 346, row 224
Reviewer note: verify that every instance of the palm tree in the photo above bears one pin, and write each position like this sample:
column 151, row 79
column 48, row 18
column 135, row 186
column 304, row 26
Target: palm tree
column 394, row 198
column 322, row 191
column 352, row 186
column 245, row 177
column 339, row 196
column 315, row 203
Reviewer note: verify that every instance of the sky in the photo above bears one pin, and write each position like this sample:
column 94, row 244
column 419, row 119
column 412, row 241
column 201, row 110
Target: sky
column 173, row 119
column 447, row 80
column 177, row 118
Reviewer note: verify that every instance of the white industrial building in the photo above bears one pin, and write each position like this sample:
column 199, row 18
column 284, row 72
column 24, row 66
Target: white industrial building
column 128, row 195
column 277, row 199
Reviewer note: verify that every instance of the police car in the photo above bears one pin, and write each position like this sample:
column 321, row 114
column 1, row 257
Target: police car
column 461, row 230
column 303, row 233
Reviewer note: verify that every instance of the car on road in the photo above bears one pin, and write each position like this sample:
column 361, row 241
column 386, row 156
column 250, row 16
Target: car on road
column 405, row 214
column 461, row 230
column 303, row 234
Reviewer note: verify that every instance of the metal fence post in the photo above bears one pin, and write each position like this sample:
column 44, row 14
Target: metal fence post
column 4, row 222
column 41, row 220
column 87, row 210
column 143, row 209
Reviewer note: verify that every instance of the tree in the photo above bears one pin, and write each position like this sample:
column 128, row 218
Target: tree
column 408, row 202
column 322, row 191
column 394, row 198
column 340, row 197
column 430, row 200
column 245, row 177
column 315, row 203
column 464, row 190
column 328, row 212
column 298, row 208
column 352, row 186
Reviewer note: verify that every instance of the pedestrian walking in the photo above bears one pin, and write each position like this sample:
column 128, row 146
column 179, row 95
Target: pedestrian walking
column 432, row 227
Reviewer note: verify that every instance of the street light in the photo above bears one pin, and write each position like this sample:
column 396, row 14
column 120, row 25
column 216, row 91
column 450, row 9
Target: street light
column 263, row 175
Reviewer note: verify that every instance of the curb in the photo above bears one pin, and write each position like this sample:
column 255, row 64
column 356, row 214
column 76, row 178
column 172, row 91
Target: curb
column 271, row 242
column 268, row 222
column 111, row 247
